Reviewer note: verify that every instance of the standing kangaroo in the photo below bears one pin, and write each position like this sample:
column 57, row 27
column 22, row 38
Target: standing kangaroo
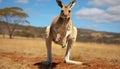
column 62, row 32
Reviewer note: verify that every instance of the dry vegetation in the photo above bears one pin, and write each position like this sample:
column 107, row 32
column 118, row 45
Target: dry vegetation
column 22, row 53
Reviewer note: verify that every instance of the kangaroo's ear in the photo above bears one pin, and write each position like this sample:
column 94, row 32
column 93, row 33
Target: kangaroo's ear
column 72, row 4
column 59, row 2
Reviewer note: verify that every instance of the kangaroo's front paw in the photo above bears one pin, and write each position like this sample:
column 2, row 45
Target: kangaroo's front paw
column 64, row 43
column 58, row 37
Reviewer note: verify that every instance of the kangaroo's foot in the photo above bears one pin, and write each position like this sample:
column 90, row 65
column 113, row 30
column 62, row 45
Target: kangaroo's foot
column 73, row 62
column 77, row 63
column 47, row 63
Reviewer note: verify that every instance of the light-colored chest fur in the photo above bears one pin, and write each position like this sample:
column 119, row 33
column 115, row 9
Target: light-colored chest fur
column 64, row 28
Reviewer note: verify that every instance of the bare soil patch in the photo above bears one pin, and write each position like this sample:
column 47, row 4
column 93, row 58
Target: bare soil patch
column 15, row 60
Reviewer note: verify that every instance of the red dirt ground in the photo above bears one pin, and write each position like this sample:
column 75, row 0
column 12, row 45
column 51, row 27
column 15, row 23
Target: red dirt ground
column 29, row 62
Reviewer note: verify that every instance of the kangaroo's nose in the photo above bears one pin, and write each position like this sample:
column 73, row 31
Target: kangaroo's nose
column 65, row 15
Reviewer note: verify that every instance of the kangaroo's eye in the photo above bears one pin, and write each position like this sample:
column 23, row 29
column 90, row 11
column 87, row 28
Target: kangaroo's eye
column 69, row 11
column 61, row 11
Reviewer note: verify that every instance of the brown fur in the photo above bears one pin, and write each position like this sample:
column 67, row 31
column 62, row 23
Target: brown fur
column 62, row 25
column 61, row 28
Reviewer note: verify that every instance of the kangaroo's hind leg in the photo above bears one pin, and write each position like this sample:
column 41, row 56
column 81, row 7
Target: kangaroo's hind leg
column 48, row 46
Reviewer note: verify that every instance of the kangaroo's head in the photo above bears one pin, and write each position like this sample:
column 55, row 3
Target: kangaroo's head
column 65, row 10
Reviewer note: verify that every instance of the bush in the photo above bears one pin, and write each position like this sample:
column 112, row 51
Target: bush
column 24, row 33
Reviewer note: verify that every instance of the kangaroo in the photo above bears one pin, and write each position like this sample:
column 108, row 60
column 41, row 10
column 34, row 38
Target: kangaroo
column 62, row 32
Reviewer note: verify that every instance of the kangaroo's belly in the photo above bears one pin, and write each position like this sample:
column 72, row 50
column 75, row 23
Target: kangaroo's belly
column 62, row 33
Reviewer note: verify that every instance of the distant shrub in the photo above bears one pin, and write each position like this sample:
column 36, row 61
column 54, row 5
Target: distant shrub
column 24, row 33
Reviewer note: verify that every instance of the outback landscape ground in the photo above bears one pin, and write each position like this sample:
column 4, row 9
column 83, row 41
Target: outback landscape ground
column 28, row 53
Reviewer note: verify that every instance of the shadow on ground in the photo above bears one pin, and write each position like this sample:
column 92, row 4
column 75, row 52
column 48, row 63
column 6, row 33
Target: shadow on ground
column 41, row 65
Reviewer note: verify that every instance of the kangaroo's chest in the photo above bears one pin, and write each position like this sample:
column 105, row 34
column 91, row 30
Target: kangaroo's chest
column 64, row 30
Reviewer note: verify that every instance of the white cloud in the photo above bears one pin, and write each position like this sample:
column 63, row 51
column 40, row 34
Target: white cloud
column 109, row 15
column 98, row 15
column 114, row 10
column 104, row 2
column 92, row 11
column 22, row 1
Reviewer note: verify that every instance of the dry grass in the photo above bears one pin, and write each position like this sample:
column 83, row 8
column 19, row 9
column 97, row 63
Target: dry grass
column 23, row 46
column 35, row 48
column 97, row 51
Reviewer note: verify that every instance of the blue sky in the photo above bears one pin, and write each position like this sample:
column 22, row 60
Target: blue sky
column 100, row 15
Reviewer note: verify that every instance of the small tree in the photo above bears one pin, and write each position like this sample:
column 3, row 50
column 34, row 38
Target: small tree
column 2, row 29
column 13, row 16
